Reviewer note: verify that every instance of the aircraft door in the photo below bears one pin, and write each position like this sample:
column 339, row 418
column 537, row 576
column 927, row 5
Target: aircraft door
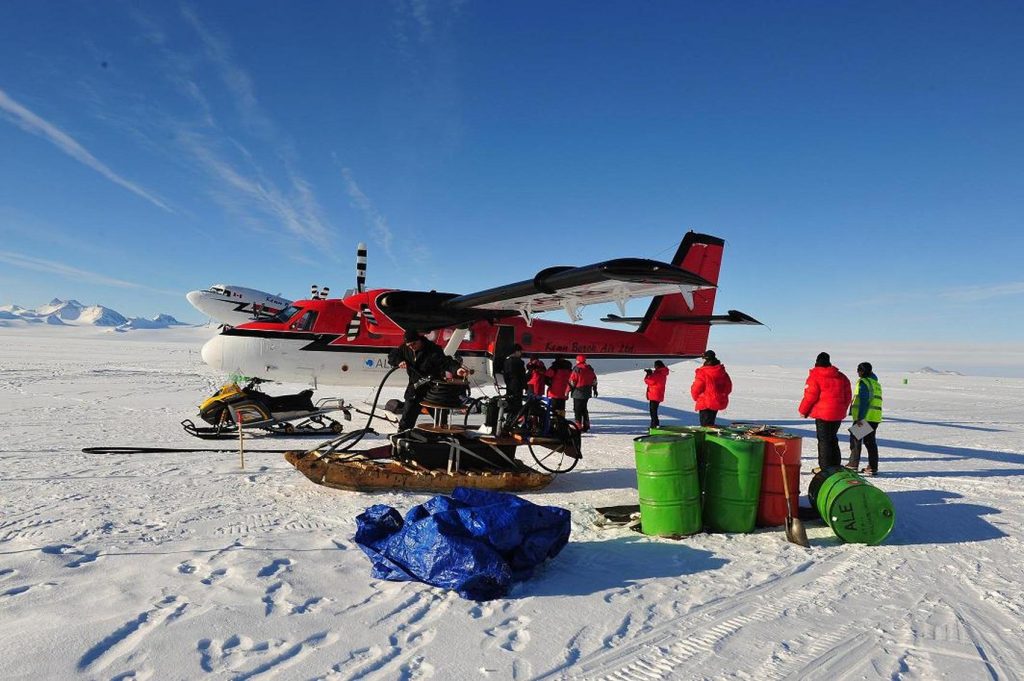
column 504, row 339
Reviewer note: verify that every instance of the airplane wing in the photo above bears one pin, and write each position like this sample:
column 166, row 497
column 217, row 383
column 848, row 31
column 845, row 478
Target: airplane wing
column 571, row 288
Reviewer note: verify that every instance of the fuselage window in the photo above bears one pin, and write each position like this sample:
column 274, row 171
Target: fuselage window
column 527, row 339
column 286, row 314
column 305, row 322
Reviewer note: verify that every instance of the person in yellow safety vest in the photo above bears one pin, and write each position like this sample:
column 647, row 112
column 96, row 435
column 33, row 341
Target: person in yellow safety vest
column 867, row 406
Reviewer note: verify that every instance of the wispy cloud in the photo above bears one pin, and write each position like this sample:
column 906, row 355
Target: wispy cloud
column 964, row 294
column 378, row 224
column 420, row 11
column 237, row 80
column 51, row 267
column 971, row 294
column 36, row 125
column 417, row 13
column 298, row 212
column 263, row 190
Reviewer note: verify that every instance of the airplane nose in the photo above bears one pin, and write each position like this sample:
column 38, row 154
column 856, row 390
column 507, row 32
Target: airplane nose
column 193, row 297
column 213, row 352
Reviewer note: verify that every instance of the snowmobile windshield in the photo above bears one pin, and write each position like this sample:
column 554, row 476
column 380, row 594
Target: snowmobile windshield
column 286, row 314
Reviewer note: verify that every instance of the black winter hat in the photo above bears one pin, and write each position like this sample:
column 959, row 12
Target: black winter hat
column 410, row 336
column 709, row 354
column 823, row 360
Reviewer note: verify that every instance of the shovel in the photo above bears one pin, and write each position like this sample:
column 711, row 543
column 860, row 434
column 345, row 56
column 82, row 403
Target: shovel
column 795, row 532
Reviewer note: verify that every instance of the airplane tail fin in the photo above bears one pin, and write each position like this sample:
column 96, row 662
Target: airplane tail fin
column 670, row 320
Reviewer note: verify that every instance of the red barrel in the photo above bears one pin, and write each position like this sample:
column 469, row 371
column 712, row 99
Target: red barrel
column 779, row 447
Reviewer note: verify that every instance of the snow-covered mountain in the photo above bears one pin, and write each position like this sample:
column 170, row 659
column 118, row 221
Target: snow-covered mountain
column 72, row 313
column 161, row 321
column 929, row 370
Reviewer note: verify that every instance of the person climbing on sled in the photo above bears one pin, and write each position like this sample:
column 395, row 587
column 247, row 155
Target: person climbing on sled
column 514, row 372
column 423, row 360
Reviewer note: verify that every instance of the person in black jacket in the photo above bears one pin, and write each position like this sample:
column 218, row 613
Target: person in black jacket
column 514, row 372
column 423, row 360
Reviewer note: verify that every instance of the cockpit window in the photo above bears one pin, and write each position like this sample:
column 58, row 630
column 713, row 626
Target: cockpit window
column 286, row 314
column 305, row 322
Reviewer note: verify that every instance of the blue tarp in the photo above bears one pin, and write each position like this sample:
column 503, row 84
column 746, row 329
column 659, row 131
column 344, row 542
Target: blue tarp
column 475, row 541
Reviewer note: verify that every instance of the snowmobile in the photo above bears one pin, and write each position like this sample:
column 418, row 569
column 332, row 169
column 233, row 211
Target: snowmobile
column 278, row 415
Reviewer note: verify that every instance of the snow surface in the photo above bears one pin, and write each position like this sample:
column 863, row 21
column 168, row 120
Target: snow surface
column 183, row 565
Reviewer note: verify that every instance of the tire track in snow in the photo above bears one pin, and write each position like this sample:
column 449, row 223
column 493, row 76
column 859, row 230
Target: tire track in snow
column 837, row 655
column 661, row 651
column 950, row 630
column 996, row 639
column 962, row 624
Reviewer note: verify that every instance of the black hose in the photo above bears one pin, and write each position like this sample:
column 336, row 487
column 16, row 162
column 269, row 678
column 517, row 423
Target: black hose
column 357, row 434
column 376, row 398
column 157, row 450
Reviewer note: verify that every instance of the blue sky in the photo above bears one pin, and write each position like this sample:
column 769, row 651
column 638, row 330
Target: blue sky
column 862, row 160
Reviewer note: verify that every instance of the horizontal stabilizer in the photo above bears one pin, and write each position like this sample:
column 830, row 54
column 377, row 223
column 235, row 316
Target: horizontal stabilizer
column 616, row 319
column 733, row 317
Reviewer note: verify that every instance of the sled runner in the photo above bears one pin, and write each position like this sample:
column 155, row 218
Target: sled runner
column 441, row 456
column 368, row 475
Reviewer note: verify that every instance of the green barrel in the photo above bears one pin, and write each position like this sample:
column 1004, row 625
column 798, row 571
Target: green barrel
column 732, row 481
column 698, row 433
column 857, row 511
column 666, row 476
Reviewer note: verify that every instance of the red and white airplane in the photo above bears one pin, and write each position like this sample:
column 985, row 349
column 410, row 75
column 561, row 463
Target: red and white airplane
column 345, row 341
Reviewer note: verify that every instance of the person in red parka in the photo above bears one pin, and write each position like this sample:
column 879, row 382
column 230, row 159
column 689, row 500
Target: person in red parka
column 557, row 379
column 535, row 371
column 656, row 379
column 710, row 389
column 827, row 398
column 583, row 383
